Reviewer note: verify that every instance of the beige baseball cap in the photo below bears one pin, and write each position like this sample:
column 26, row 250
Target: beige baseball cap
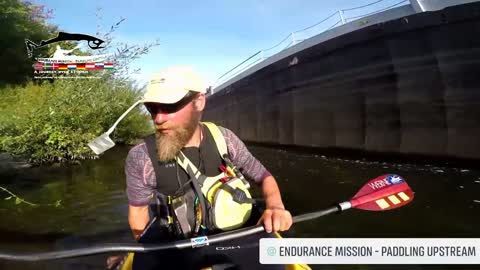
column 172, row 84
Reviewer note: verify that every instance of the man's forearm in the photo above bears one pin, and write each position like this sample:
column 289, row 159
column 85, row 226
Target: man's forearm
column 271, row 193
column 138, row 218
column 275, row 217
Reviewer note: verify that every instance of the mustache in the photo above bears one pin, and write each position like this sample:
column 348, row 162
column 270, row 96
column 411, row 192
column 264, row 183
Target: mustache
column 164, row 126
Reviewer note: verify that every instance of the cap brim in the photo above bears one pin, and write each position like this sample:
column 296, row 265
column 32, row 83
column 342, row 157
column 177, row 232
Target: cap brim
column 165, row 96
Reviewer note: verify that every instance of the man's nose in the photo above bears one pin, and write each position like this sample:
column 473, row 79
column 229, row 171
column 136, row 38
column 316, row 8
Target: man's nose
column 162, row 117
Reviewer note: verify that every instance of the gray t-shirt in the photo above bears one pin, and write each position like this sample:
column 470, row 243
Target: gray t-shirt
column 141, row 182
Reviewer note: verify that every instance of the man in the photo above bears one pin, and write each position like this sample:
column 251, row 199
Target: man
column 176, row 99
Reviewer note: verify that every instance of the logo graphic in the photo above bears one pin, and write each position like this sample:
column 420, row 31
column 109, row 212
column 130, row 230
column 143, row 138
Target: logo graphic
column 271, row 251
column 63, row 64
column 199, row 241
column 394, row 179
column 62, row 36
column 65, row 56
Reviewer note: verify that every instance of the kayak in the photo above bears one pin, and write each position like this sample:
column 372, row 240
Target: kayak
column 222, row 255
column 386, row 192
column 236, row 253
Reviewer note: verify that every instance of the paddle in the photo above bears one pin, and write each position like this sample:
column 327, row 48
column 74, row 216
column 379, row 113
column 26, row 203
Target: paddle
column 103, row 142
column 383, row 193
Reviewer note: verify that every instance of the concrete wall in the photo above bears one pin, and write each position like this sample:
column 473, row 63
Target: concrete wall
column 411, row 85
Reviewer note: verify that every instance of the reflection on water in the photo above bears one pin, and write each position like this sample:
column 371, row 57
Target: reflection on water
column 92, row 195
column 94, row 206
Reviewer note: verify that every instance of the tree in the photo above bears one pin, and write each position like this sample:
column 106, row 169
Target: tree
column 20, row 20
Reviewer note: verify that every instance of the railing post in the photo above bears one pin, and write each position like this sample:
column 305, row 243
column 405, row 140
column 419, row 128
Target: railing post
column 293, row 39
column 262, row 56
column 342, row 18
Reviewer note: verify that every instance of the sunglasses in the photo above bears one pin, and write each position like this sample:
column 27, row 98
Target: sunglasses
column 154, row 108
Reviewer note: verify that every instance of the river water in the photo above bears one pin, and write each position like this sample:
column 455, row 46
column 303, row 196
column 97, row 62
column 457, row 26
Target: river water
column 94, row 205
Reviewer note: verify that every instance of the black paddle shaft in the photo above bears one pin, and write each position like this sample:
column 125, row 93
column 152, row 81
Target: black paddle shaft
column 62, row 254
column 314, row 215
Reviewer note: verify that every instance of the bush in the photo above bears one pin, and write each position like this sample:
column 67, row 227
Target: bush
column 45, row 121
column 53, row 122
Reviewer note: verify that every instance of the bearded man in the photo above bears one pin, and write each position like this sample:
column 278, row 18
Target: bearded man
column 183, row 152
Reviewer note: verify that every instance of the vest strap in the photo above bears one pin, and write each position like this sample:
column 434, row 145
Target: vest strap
column 218, row 138
column 189, row 167
column 238, row 195
column 151, row 144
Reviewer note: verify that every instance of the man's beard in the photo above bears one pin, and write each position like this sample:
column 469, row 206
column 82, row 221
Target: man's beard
column 169, row 145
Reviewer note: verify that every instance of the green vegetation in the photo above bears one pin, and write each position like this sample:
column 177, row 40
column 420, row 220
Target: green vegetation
column 53, row 120
column 19, row 200
column 20, row 20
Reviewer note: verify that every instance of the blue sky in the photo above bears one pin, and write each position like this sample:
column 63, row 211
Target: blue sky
column 211, row 35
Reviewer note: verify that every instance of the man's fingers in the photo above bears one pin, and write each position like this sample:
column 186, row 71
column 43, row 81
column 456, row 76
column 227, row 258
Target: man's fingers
column 277, row 220
column 284, row 224
column 286, row 221
column 267, row 221
column 113, row 262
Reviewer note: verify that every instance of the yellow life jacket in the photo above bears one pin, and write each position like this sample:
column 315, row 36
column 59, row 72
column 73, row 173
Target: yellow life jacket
column 229, row 203
column 229, row 200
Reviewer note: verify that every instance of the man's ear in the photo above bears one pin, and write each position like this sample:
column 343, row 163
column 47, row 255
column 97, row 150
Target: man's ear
column 199, row 102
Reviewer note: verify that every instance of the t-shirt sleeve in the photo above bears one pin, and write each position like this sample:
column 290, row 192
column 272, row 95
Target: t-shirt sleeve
column 243, row 159
column 138, row 190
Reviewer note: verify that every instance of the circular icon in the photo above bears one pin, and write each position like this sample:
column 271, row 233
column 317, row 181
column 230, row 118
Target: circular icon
column 271, row 251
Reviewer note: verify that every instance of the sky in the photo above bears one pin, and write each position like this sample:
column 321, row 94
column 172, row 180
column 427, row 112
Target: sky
column 213, row 36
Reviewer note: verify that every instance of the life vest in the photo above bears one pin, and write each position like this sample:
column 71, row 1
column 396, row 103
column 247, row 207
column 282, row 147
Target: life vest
column 220, row 201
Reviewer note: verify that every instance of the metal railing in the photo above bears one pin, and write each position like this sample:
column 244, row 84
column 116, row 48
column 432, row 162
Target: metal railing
column 339, row 17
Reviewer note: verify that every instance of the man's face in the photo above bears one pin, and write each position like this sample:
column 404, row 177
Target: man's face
column 174, row 124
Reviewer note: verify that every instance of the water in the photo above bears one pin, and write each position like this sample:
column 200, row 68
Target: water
column 94, row 206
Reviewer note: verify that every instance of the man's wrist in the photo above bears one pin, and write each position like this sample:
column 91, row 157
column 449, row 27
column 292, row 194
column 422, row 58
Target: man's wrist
column 278, row 206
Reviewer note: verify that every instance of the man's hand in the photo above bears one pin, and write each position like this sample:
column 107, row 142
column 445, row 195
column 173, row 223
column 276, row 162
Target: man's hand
column 276, row 219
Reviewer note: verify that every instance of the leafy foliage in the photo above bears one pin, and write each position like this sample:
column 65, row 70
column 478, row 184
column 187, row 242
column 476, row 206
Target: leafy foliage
column 20, row 20
column 52, row 121
column 19, row 200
